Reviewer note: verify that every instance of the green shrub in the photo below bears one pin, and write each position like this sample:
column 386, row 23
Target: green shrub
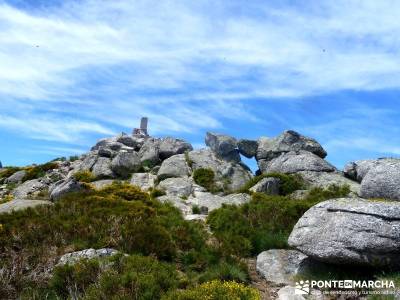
column 196, row 210
column 154, row 193
column 119, row 216
column 73, row 280
column 265, row 222
column 84, row 176
column 62, row 158
column 8, row 171
column 333, row 191
column 205, row 178
column 73, row 158
column 228, row 290
column 129, row 277
column 39, row 171
column 288, row 183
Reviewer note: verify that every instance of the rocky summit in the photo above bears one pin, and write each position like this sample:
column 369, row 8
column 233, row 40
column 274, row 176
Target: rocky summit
column 194, row 215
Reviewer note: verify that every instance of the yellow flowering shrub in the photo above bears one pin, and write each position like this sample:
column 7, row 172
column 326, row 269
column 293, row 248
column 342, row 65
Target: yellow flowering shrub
column 216, row 290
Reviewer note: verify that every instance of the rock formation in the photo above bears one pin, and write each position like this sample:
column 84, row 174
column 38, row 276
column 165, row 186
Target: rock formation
column 350, row 231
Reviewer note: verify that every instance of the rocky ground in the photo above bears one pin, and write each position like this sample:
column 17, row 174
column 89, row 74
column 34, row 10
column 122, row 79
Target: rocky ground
column 361, row 229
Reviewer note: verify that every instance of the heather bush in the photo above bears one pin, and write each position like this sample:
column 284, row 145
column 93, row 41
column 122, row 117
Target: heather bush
column 119, row 216
column 84, row 176
column 205, row 178
column 265, row 222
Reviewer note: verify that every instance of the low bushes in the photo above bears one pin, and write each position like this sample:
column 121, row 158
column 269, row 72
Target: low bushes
column 205, row 178
column 8, row 171
column 39, row 170
column 228, row 290
column 119, row 216
column 265, row 222
column 84, row 176
column 288, row 183
column 129, row 277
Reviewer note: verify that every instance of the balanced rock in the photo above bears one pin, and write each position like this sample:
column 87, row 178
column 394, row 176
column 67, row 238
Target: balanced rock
column 350, row 231
column 288, row 141
column 247, row 148
column 224, row 146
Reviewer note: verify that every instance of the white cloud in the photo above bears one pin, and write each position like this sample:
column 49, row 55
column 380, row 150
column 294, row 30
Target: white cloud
column 96, row 60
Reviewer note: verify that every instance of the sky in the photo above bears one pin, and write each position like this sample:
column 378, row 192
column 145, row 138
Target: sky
column 72, row 72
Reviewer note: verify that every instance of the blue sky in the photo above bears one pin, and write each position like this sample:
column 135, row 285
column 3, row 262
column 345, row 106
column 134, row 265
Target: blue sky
column 72, row 72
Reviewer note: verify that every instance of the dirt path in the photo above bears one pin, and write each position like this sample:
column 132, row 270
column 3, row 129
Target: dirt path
column 267, row 293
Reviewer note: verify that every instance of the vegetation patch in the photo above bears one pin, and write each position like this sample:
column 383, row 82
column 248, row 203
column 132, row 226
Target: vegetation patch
column 228, row 290
column 265, row 222
column 8, row 171
column 84, row 176
column 119, row 216
column 206, row 178
column 39, row 171
column 288, row 183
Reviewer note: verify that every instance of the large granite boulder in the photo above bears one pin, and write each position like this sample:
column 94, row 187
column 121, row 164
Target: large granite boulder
column 170, row 146
column 145, row 181
column 270, row 148
column 16, row 177
column 63, row 187
column 181, row 187
column 87, row 162
column 269, row 186
column 231, row 175
column 134, row 142
column 358, row 169
column 149, row 152
column 280, row 266
column 350, row 231
column 175, row 166
column 105, row 142
column 224, row 146
column 29, row 188
column 19, row 204
column 126, row 163
column 102, row 168
column 296, row 161
column 248, row 148
column 382, row 181
column 325, row 179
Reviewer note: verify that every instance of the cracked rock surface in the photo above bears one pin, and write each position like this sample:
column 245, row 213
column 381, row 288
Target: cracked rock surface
column 350, row 231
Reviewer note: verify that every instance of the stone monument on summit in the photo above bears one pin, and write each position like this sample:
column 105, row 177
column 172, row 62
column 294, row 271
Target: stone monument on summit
column 142, row 131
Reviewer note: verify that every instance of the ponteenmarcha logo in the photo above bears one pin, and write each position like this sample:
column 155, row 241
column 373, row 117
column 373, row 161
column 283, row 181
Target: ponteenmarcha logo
column 302, row 287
